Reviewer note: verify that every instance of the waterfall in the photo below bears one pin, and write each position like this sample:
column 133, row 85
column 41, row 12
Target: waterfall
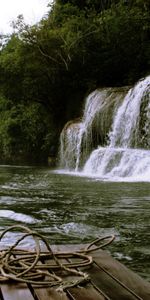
column 125, row 129
column 112, row 140
column 80, row 137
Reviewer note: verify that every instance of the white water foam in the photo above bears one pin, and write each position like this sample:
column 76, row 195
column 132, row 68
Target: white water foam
column 10, row 214
column 119, row 164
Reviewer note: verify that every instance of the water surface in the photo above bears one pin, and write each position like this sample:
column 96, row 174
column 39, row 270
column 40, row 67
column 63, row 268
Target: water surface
column 72, row 209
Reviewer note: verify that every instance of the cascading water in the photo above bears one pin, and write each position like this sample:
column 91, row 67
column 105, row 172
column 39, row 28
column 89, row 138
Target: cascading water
column 113, row 139
column 126, row 126
column 79, row 138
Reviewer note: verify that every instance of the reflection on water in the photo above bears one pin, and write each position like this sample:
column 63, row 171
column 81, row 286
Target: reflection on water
column 71, row 209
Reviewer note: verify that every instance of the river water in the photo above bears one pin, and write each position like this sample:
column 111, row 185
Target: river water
column 74, row 209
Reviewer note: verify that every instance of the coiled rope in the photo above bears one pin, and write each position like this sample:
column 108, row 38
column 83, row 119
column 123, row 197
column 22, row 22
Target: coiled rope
column 41, row 267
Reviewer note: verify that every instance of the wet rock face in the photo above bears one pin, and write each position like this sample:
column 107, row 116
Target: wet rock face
column 144, row 121
column 69, row 140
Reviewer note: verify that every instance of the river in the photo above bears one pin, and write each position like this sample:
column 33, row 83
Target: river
column 73, row 209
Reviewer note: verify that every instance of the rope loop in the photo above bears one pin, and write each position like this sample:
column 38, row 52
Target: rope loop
column 45, row 268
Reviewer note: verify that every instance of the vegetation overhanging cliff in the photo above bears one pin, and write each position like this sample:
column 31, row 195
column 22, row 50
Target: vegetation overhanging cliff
column 46, row 70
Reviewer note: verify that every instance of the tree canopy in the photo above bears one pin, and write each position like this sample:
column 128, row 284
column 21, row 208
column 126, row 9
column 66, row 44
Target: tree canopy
column 47, row 69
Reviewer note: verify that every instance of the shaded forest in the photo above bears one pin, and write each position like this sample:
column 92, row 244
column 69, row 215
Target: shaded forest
column 46, row 70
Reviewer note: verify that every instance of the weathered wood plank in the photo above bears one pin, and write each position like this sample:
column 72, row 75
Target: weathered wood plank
column 130, row 279
column 1, row 297
column 16, row 291
column 76, row 293
column 49, row 294
column 81, row 293
column 107, row 285
column 101, row 274
column 87, row 292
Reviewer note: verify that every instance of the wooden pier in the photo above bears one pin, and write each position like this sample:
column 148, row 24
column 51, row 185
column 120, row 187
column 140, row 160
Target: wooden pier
column 108, row 280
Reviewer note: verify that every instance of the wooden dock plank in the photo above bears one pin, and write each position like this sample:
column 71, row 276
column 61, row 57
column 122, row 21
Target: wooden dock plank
column 88, row 293
column 77, row 293
column 102, row 284
column 49, row 294
column 81, row 293
column 127, row 277
column 16, row 291
column 52, row 293
column 130, row 279
column 108, row 286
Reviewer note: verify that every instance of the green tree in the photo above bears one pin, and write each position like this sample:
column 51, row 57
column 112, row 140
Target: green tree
column 47, row 69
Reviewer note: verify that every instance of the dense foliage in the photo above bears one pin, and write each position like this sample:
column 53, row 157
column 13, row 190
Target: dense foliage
column 47, row 69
